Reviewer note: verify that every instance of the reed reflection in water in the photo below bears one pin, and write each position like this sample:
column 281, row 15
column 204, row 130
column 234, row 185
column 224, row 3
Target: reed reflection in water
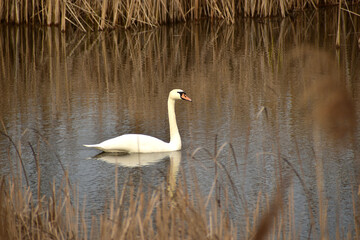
column 250, row 88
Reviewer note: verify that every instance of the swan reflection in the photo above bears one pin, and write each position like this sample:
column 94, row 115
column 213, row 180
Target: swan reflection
column 133, row 160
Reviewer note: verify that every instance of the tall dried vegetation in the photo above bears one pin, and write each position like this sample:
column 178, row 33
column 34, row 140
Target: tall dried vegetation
column 187, row 212
column 91, row 15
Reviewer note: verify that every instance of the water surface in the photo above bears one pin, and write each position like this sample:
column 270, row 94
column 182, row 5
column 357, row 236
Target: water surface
column 255, row 87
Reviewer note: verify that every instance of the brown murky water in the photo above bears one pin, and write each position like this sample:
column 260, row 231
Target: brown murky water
column 277, row 92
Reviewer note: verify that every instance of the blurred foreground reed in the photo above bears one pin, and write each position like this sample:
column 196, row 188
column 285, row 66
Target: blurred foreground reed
column 92, row 15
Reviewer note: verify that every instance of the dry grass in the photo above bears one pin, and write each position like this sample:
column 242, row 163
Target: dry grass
column 91, row 15
column 157, row 214
column 166, row 212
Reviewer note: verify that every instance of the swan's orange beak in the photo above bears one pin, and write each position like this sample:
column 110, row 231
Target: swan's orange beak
column 184, row 97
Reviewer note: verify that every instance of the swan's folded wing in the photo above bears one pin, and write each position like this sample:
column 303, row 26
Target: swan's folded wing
column 134, row 143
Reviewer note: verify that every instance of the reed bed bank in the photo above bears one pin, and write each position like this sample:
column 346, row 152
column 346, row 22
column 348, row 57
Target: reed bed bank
column 92, row 15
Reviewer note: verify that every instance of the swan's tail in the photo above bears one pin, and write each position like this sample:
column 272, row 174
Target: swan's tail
column 97, row 146
column 90, row 145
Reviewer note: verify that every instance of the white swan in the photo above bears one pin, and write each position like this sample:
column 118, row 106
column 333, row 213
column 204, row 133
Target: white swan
column 139, row 143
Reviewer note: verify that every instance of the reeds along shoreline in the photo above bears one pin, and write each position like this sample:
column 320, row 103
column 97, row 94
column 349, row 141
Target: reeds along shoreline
column 90, row 15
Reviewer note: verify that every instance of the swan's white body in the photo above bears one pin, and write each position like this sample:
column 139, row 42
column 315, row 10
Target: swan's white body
column 139, row 143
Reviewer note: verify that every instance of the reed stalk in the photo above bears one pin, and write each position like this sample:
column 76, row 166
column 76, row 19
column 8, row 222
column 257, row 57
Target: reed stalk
column 103, row 14
column 57, row 12
column 338, row 26
column 2, row 9
column 17, row 14
column 115, row 12
column 49, row 12
column 42, row 10
column 63, row 15
column 32, row 11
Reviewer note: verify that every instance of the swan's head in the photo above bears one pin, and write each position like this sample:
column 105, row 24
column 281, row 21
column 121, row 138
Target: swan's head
column 178, row 94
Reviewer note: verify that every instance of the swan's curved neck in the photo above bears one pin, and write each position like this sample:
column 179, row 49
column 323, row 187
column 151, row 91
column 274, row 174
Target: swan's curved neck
column 174, row 132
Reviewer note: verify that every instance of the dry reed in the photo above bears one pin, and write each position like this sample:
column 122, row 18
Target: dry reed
column 91, row 15
column 183, row 213
column 158, row 214
column 147, row 217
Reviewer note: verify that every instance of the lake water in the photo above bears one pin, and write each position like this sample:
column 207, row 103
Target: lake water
column 268, row 96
